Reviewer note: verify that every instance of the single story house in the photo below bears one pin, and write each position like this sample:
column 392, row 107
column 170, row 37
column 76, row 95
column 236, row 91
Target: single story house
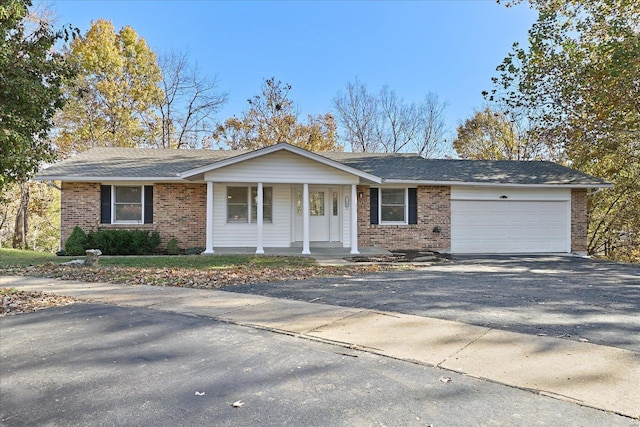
column 285, row 196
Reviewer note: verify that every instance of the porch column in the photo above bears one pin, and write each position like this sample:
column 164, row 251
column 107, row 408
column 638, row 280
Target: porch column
column 209, row 230
column 305, row 219
column 260, row 219
column 354, row 220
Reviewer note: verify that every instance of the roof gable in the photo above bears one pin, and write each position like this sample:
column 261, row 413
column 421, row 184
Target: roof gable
column 276, row 148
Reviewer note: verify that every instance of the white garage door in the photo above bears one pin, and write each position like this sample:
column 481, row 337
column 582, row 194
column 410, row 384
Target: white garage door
column 483, row 226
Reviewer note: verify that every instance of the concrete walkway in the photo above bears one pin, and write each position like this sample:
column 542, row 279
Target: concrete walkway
column 602, row 377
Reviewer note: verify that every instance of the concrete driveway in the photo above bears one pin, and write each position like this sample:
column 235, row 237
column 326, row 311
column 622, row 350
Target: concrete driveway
column 105, row 365
column 557, row 296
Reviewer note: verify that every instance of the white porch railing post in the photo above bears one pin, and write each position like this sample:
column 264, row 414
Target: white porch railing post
column 305, row 219
column 260, row 219
column 354, row 221
column 209, row 229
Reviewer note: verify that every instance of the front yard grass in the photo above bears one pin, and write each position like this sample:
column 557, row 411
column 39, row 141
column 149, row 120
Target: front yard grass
column 193, row 271
column 18, row 258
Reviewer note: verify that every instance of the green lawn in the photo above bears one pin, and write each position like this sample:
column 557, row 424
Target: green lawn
column 17, row 258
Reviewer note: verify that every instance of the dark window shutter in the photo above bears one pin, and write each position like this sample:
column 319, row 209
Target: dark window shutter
column 105, row 204
column 374, row 205
column 148, row 204
column 413, row 205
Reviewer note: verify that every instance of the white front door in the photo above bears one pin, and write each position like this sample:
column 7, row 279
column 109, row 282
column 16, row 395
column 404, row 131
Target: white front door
column 323, row 214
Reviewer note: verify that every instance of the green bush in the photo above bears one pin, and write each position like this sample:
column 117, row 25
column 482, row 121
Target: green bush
column 113, row 242
column 172, row 247
column 77, row 242
column 195, row 250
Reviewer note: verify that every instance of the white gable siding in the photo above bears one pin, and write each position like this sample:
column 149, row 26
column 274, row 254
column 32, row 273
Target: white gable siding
column 281, row 167
column 276, row 234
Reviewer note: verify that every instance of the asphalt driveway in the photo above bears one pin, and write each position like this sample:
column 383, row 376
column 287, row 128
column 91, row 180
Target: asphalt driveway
column 104, row 365
column 559, row 296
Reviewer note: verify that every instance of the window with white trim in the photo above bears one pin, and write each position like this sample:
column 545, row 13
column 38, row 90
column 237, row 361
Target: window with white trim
column 242, row 204
column 393, row 206
column 128, row 204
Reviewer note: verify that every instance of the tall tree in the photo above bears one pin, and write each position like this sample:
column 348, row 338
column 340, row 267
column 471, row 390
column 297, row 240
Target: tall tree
column 186, row 104
column 384, row 122
column 31, row 74
column 271, row 118
column 112, row 97
column 578, row 81
column 493, row 135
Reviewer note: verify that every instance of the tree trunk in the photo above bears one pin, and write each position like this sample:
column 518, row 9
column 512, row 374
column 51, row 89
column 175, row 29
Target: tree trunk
column 22, row 216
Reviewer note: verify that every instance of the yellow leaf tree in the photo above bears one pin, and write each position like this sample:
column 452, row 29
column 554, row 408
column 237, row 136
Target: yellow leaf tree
column 271, row 118
column 111, row 100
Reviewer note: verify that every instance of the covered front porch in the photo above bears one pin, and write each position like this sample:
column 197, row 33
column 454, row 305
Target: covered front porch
column 281, row 197
column 289, row 218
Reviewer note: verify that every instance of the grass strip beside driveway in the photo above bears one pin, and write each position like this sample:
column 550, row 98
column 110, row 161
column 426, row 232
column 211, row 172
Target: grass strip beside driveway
column 193, row 271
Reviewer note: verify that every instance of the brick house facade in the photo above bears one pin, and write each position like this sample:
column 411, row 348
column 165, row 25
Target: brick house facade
column 207, row 198
column 579, row 220
column 180, row 213
column 432, row 231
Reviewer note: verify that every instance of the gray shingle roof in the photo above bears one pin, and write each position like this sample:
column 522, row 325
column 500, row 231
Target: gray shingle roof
column 114, row 163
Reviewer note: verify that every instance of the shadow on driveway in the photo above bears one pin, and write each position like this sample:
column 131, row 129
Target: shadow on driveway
column 558, row 296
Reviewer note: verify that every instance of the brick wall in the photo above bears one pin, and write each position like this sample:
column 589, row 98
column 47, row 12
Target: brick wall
column 434, row 210
column 579, row 220
column 79, row 205
column 179, row 211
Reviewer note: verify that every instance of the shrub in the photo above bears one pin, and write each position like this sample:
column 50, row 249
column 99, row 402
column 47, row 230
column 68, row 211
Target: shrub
column 172, row 247
column 196, row 250
column 124, row 242
column 77, row 242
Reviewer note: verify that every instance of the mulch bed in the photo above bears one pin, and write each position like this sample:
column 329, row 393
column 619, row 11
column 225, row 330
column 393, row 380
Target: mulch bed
column 404, row 256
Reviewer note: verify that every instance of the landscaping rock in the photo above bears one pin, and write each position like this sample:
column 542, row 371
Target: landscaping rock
column 92, row 257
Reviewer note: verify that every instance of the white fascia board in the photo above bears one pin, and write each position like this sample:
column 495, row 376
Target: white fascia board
column 492, row 184
column 278, row 147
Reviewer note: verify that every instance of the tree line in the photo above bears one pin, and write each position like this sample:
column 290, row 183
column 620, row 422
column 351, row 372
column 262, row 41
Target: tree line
column 571, row 96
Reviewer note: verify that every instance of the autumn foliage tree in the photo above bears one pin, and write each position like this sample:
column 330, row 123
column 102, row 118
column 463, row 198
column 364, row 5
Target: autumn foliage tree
column 111, row 100
column 578, row 82
column 271, row 118
column 494, row 135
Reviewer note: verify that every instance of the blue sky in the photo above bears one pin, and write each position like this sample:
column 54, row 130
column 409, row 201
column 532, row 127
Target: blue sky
column 450, row 48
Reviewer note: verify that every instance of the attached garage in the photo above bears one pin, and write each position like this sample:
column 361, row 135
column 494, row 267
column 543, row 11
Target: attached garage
column 501, row 220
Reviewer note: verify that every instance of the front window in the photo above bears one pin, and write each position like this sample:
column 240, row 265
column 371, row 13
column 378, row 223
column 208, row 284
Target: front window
column 393, row 205
column 127, row 204
column 242, row 204
column 237, row 204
